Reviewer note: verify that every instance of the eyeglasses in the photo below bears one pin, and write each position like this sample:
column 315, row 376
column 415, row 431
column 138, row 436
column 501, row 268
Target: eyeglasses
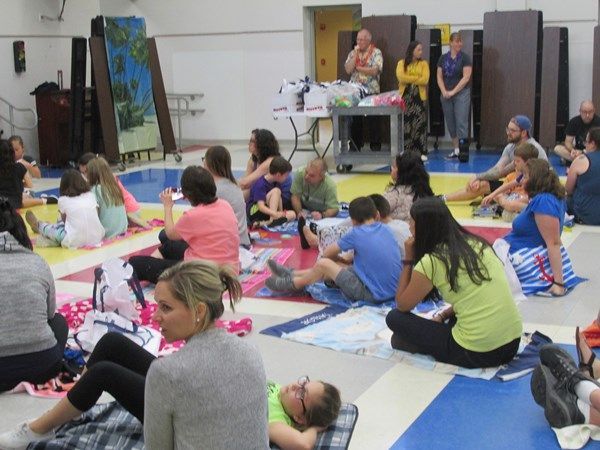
column 301, row 392
column 512, row 130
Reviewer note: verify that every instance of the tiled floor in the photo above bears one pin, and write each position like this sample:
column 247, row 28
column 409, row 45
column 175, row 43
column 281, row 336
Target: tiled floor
column 400, row 406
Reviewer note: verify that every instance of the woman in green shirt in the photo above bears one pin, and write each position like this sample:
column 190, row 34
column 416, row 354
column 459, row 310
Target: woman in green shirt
column 298, row 411
column 482, row 327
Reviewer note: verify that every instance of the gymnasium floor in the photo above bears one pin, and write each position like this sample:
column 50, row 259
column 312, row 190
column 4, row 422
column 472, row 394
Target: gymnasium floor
column 400, row 406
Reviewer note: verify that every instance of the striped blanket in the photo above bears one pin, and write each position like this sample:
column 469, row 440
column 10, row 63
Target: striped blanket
column 258, row 272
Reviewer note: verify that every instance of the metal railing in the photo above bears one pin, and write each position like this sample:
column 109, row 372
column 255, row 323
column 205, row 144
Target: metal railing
column 11, row 117
column 183, row 109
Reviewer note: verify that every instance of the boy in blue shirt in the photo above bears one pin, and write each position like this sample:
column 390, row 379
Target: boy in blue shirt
column 270, row 196
column 373, row 274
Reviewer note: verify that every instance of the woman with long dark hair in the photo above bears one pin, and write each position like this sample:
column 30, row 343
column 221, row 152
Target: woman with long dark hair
column 263, row 146
column 410, row 181
column 413, row 77
column 33, row 334
column 482, row 327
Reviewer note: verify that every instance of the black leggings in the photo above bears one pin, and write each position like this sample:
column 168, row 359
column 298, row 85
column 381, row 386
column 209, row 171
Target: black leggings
column 148, row 268
column 117, row 366
column 37, row 367
column 435, row 339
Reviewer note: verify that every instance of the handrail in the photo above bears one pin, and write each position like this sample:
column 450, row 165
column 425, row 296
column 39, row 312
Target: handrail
column 11, row 117
column 179, row 112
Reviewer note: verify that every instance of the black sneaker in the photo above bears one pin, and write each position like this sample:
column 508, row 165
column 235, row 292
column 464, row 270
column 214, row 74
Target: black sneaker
column 539, row 378
column 303, row 242
column 560, row 406
column 563, row 367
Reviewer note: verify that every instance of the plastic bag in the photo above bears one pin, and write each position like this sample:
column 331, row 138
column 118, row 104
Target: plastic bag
column 390, row 98
column 112, row 283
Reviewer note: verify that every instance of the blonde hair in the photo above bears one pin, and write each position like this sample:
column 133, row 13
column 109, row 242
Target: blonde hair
column 200, row 281
column 98, row 172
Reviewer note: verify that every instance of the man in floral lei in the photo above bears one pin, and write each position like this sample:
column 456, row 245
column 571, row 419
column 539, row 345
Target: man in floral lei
column 364, row 65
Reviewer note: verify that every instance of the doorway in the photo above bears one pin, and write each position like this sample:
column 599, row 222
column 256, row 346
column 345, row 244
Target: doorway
column 325, row 23
column 328, row 22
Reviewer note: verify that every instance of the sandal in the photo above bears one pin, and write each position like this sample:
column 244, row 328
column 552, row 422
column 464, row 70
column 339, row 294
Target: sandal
column 586, row 366
column 549, row 293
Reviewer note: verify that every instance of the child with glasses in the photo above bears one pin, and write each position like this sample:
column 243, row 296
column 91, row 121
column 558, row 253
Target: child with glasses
column 299, row 411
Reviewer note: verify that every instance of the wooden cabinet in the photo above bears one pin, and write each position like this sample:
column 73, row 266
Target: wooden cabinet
column 54, row 115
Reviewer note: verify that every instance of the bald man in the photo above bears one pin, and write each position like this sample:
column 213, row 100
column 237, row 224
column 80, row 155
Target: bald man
column 314, row 192
column 576, row 131
column 364, row 65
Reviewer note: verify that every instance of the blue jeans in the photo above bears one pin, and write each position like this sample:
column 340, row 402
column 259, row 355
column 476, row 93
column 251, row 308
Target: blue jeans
column 456, row 112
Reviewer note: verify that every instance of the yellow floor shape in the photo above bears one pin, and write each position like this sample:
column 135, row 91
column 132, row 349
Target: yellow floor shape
column 53, row 255
column 366, row 184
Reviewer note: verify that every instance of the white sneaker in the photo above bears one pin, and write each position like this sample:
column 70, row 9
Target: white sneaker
column 20, row 437
column 424, row 158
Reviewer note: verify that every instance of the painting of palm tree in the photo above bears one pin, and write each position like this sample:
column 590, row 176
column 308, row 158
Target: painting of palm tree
column 131, row 83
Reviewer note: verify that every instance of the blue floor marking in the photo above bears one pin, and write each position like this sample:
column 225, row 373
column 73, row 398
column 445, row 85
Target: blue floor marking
column 145, row 185
column 479, row 414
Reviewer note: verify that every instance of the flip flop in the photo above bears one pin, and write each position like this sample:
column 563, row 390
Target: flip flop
column 587, row 366
column 551, row 294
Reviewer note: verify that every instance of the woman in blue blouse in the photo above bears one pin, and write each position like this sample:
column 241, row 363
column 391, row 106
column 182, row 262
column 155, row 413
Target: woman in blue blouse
column 540, row 224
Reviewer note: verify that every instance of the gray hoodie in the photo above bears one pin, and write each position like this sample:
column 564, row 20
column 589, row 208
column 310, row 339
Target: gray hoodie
column 27, row 299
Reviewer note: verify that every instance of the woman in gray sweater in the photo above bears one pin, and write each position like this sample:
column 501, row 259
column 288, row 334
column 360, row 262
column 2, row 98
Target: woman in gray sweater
column 209, row 394
column 32, row 335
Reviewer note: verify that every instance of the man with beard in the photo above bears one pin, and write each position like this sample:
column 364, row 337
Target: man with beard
column 517, row 132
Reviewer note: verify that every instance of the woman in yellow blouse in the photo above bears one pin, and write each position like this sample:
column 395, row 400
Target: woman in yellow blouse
column 413, row 77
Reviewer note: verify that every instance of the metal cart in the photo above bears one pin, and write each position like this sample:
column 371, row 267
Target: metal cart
column 344, row 159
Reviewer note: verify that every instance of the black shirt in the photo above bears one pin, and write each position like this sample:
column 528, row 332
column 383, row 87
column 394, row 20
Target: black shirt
column 577, row 128
column 11, row 184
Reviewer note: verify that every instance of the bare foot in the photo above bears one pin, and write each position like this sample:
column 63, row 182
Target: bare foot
column 32, row 221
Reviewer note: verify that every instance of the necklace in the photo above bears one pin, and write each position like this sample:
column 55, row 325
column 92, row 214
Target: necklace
column 361, row 62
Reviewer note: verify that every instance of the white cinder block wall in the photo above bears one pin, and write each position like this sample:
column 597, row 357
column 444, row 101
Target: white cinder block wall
column 237, row 52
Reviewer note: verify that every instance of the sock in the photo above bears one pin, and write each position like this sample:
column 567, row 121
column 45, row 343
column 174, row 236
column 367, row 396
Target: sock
column 44, row 201
column 456, row 151
column 585, row 410
column 584, row 389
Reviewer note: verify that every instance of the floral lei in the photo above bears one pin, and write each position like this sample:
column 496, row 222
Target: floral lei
column 361, row 62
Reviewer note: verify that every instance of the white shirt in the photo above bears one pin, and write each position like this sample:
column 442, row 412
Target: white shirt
column 82, row 224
